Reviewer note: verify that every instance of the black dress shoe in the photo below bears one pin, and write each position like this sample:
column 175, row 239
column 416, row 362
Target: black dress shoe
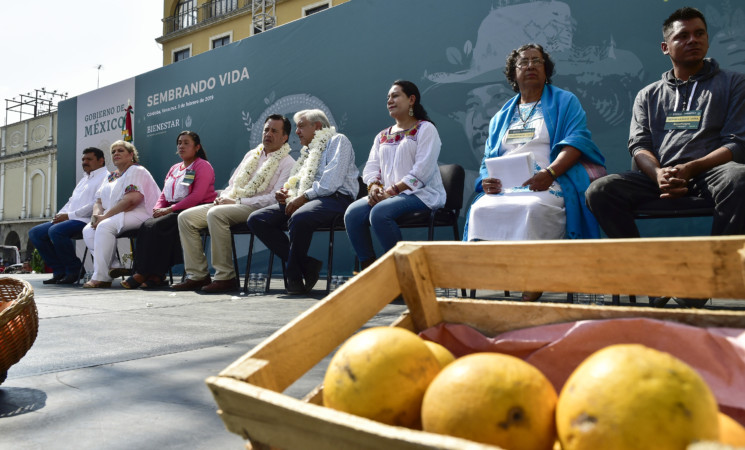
column 218, row 286
column 69, row 279
column 191, row 284
column 691, row 302
column 295, row 287
column 55, row 279
column 658, row 302
column 311, row 272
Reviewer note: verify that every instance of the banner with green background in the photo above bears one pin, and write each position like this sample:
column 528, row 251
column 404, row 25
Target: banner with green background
column 344, row 59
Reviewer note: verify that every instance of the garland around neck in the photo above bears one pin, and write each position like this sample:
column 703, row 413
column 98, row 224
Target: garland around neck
column 250, row 181
column 304, row 171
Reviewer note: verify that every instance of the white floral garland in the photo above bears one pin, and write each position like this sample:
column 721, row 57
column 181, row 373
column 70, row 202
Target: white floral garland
column 251, row 180
column 304, row 171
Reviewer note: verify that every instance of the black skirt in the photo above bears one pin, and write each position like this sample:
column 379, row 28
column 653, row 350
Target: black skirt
column 158, row 245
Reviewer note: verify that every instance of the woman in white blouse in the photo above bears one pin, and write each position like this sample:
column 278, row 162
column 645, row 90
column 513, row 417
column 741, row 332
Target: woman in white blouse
column 123, row 202
column 401, row 174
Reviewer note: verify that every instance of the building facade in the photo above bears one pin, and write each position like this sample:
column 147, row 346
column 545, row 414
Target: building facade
column 28, row 171
column 191, row 27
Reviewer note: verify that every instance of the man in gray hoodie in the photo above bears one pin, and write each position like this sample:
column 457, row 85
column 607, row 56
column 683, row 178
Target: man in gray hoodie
column 687, row 137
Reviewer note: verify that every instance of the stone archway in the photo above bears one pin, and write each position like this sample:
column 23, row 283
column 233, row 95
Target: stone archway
column 13, row 239
column 29, row 251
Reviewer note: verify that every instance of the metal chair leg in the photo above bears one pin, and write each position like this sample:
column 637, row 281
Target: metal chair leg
column 249, row 257
column 235, row 256
column 329, row 267
column 81, row 272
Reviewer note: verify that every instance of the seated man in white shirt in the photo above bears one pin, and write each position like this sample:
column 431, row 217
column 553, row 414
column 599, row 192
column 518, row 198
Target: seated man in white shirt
column 322, row 184
column 54, row 239
column 262, row 171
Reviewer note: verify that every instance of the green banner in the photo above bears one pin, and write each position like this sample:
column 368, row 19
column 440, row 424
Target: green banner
column 343, row 61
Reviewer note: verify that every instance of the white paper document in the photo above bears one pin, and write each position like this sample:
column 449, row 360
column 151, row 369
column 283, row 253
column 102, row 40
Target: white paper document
column 511, row 170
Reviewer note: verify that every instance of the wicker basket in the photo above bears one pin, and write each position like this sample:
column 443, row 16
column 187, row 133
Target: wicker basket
column 19, row 322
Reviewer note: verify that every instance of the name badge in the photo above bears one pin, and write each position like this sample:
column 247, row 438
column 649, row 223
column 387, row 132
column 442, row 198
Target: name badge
column 188, row 178
column 520, row 136
column 683, row 120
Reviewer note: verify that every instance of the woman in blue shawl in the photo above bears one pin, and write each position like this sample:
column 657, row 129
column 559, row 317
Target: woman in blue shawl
column 544, row 130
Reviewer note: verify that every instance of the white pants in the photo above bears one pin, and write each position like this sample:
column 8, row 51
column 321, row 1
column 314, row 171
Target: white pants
column 101, row 242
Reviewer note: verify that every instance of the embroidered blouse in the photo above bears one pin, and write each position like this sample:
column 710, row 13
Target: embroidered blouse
column 135, row 179
column 408, row 156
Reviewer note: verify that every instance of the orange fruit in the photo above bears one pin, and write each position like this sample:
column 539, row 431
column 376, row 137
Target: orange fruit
column 381, row 374
column 443, row 355
column 629, row 396
column 730, row 431
column 493, row 399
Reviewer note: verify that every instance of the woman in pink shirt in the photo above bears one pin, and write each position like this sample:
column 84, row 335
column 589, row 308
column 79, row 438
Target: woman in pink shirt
column 189, row 183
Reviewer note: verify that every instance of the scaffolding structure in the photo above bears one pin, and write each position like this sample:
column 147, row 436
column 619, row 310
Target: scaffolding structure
column 35, row 104
column 264, row 15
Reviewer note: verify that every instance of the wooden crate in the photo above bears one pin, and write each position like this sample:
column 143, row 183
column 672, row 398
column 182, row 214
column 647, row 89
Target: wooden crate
column 249, row 391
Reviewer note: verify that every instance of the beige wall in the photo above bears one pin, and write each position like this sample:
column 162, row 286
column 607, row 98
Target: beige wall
column 28, row 171
column 200, row 36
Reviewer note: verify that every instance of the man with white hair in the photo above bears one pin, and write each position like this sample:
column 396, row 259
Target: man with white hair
column 322, row 184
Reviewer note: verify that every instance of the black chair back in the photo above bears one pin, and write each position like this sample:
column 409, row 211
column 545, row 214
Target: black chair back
column 363, row 188
column 453, row 179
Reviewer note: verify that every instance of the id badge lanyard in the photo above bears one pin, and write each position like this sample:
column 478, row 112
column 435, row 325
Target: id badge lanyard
column 686, row 103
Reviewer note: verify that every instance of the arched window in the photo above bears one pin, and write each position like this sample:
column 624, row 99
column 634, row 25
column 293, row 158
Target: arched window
column 186, row 13
column 35, row 194
column 220, row 7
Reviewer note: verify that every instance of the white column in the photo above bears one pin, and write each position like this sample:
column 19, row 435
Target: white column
column 54, row 186
column 2, row 188
column 47, row 211
column 50, row 139
column 25, row 178
column 25, row 136
column 3, row 146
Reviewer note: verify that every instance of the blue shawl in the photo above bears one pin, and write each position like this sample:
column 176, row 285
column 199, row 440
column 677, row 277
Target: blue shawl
column 567, row 125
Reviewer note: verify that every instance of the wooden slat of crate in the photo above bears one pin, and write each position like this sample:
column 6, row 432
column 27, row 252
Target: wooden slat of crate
column 691, row 267
column 285, row 356
column 492, row 318
column 703, row 267
column 265, row 416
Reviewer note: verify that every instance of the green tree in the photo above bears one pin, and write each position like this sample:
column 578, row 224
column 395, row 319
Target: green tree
column 37, row 264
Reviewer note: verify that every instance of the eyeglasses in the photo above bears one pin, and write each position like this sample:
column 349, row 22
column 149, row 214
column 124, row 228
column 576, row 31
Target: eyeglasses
column 523, row 63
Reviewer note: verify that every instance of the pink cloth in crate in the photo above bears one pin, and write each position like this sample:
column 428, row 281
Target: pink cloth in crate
column 717, row 353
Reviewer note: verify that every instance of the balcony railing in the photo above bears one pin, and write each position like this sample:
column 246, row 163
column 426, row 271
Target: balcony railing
column 207, row 12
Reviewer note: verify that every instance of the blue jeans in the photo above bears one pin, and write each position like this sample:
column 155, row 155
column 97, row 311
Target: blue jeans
column 268, row 225
column 361, row 217
column 57, row 249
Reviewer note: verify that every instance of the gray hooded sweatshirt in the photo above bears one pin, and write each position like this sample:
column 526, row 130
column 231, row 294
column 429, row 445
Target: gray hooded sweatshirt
column 719, row 94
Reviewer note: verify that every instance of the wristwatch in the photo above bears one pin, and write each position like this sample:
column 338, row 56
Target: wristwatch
column 305, row 194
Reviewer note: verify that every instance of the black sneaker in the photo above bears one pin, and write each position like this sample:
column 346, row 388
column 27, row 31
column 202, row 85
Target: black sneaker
column 55, row 279
column 69, row 279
